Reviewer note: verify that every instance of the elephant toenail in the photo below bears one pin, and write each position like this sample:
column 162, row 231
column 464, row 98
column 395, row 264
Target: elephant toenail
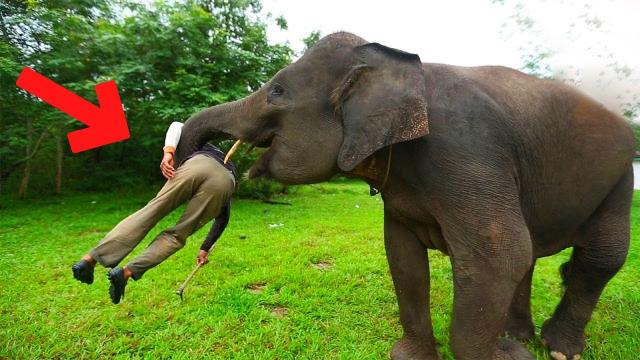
column 558, row 355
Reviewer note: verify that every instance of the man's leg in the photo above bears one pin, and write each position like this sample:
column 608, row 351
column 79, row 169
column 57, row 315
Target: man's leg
column 125, row 236
column 206, row 203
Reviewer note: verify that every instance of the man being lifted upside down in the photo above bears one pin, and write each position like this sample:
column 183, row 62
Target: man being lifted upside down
column 203, row 179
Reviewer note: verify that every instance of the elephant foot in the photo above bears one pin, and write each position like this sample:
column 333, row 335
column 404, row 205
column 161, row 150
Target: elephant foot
column 520, row 329
column 408, row 349
column 512, row 350
column 563, row 345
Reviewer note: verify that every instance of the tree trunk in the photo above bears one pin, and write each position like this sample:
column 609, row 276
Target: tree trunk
column 59, row 156
column 24, row 184
column 8, row 170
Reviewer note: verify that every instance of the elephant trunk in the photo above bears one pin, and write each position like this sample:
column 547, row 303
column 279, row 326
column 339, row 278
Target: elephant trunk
column 220, row 121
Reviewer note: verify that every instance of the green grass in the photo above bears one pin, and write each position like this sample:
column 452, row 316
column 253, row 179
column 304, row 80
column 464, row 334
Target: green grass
column 317, row 287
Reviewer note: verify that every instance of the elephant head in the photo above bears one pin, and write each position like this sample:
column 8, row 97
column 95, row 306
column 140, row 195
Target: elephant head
column 343, row 100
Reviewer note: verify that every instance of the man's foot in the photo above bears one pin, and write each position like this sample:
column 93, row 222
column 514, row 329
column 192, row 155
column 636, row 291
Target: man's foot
column 118, row 283
column 83, row 271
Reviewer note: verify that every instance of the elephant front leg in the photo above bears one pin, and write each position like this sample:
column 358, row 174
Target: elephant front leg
column 409, row 267
column 488, row 265
column 519, row 322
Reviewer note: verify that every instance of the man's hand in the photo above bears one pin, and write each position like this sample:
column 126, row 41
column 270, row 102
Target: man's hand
column 166, row 165
column 203, row 257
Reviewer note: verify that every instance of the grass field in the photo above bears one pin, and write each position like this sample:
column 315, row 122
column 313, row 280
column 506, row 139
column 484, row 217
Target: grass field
column 315, row 287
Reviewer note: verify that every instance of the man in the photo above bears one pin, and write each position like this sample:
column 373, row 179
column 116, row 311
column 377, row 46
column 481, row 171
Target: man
column 204, row 180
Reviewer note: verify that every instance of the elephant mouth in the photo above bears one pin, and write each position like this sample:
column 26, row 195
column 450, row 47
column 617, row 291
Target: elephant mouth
column 259, row 168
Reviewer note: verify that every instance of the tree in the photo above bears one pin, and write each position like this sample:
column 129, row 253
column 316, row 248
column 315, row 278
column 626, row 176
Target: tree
column 588, row 31
column 636, row 133
column 311, row 39
column 632, row 113
column 169, row 59
column 50, row 39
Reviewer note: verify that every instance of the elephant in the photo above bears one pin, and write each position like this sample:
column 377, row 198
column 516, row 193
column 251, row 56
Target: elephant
column 493, row 167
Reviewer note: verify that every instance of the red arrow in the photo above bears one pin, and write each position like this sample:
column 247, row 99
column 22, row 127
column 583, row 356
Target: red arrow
column 106, row 124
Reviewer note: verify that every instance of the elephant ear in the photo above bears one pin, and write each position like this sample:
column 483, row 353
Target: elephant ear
column 381, row 101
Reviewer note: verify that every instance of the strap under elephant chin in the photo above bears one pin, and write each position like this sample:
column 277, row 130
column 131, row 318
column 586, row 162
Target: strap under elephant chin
column 372, row 190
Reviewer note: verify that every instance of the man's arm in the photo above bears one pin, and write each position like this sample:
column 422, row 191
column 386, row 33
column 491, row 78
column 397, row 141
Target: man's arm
column 170, row 143
column 217, row 228
column 172, row 138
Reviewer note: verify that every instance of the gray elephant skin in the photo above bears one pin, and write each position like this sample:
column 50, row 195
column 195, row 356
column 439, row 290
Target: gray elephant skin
column 491, row 166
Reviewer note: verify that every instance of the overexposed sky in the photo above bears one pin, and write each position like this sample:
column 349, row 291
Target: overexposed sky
column 594, row 45
column 460, row 32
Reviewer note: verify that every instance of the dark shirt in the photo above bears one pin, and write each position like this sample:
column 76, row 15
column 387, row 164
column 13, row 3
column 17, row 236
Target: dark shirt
column 225, row 213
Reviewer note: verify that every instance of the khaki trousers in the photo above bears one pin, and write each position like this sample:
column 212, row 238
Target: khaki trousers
column 201, row 180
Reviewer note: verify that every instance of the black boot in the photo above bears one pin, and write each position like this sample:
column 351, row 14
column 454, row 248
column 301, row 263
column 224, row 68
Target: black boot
column 83, row 271
column 118, row 282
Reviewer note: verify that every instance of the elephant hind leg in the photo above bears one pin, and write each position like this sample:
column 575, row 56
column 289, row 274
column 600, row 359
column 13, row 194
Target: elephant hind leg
column 519, row 321
column 564, row 270
column 603, row 242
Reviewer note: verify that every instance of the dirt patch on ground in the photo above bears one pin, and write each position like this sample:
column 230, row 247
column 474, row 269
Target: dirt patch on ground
column 323, row 265
column 257, row 288
column 279, row 311
column 93, row 231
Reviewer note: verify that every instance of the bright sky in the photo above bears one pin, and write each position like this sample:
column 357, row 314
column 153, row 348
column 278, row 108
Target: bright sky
column 593, row 44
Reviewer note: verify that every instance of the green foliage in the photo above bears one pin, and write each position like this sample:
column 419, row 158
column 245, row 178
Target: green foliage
column 9, row 101
column 282, row 23
column 169, row 59
column 311, row 39
column 535, row 64
column 632, row 112
column 317, row 287
column 636, row 132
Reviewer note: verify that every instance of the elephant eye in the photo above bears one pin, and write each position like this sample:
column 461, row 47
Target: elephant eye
column 277, row 90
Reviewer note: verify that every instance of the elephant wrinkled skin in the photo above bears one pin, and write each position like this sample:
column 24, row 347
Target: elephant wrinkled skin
column 491, row 166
